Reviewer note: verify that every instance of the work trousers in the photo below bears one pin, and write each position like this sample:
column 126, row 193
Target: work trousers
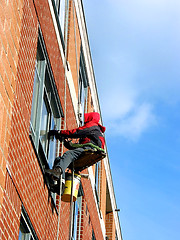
column 67, row 158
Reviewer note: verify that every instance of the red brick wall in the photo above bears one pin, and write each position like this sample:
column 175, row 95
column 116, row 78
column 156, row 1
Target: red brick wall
column 18, row 47
column 11, row 212
column 10, row 26
column 89, row 197
column 22, row 161
column 49, row 35
column 110, row 226
column 90, row 107
column 86, row 229
column 103, row 190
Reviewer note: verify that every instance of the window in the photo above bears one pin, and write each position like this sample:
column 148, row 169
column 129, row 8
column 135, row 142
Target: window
column 26, row 231
column 83, row 86
column 116, row 237
column 97, row 182
column 61, row 6
column 77, row 215
column 57, row 4
column 93, row 235
column 46, row 109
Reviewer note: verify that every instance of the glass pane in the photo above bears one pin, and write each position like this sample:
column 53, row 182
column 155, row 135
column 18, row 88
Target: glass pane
column 77, row 219
column 82, row 93
column 97, row 169
column 57, row 2
column 37, row 97
column 52, row 146
column 40, row 64
column 27, row 236
column 20, row 235
column 83, row 84
column 24, row 236
column 44, row 125
column 24, row 233
column 62, row 15
column 82, row 100
column 93, row 236
column 35, row 101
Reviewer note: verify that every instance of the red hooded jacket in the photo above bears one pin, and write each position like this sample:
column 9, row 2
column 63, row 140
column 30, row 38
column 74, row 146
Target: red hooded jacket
column 90, row 132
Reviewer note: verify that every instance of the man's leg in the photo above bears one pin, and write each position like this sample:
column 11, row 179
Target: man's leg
column 61, row 163
column 67, row 158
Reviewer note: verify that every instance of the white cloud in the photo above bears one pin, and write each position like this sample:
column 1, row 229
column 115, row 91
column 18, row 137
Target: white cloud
column 125, row 109
column 132, row 125
column 119, row 102
column 136, row 61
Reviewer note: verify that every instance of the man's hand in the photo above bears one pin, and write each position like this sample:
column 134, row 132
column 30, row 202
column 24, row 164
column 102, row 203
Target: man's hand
column 55, row 133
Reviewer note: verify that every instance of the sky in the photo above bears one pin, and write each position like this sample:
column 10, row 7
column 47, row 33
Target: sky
column 135, row 47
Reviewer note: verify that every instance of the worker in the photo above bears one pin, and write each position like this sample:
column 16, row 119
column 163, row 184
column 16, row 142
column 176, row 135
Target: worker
column 91, row 132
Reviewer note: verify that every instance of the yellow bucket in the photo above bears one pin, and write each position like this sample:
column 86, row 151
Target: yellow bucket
column 66, row 197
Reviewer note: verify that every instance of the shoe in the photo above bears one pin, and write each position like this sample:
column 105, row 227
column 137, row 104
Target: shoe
column 54, row 173
column 55, row 188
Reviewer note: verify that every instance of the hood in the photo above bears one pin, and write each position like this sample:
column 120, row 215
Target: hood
column 93, row 117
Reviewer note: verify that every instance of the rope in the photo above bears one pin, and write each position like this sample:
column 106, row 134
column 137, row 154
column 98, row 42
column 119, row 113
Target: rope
column 59, row 207
column 65, row 73
column 71, row 203
column 65, row 61
column 71, row 206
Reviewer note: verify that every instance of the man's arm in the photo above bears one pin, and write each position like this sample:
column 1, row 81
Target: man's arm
column 73, row 133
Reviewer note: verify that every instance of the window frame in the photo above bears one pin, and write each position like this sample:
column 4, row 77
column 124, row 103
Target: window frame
column 77, row 222
column 46, row 90
column 47, row 105
column 83, row 84
column 93, row 235
column 26, row 224
column 97, row 181
column 39, row 98
column 46, row 94
column 56, row 6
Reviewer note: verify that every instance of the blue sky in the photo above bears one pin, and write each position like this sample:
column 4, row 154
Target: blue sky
column 135, row 47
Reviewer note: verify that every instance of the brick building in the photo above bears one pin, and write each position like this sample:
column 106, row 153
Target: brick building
column 46, row 80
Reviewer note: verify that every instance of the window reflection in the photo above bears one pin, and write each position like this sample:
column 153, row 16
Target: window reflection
column 45, row 113
column 83, row 86
column 52, row 146
column 77, row 218
column 44, row 126
column 35, row 100
column 62, row 14
column 97, row 183
column 24, row 231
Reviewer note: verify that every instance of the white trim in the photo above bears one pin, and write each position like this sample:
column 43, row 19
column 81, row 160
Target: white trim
column 72, row 92
column 56, row 28
column 29, row 234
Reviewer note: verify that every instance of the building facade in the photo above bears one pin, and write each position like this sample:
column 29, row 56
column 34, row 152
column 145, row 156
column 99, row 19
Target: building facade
column 46, row 82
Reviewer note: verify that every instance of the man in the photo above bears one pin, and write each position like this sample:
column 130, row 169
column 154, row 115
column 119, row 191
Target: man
column 90, row 133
